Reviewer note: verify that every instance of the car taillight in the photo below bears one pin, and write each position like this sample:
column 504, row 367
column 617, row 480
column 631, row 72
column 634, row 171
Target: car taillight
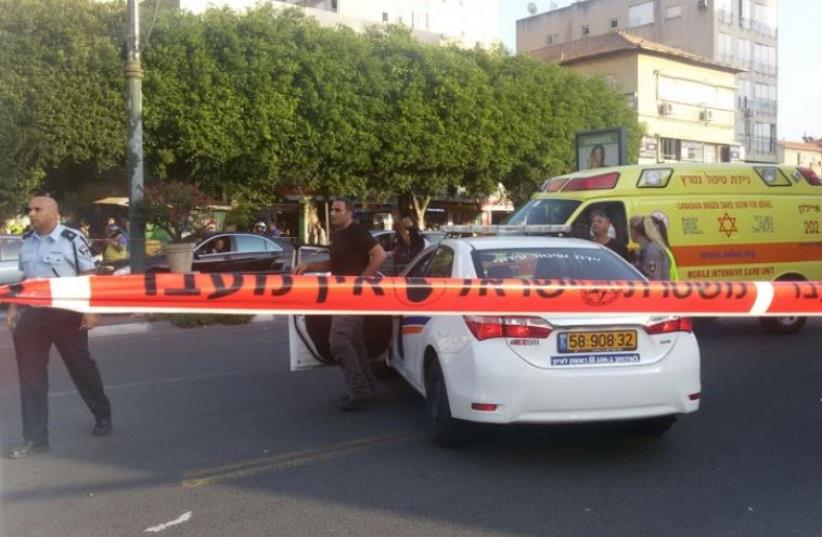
column 810, row 176
column 597, row 182
column 681, row 324
column 488, row 327
column 484, row 327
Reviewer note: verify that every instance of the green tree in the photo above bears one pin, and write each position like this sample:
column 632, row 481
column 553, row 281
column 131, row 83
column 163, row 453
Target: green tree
column 437, row 113
column 219, row 107
column 242, row 103
column 61, row 92
column 542, row 107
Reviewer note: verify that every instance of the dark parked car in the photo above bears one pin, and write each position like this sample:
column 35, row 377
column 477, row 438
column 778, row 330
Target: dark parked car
column 232, row 252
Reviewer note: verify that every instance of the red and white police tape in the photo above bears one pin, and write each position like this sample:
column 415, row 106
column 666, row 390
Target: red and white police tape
column 291, row 294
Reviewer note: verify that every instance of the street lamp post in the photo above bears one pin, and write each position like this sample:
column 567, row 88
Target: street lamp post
column 134, row 107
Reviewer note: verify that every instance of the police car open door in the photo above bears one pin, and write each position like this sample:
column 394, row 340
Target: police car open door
column 308, row 334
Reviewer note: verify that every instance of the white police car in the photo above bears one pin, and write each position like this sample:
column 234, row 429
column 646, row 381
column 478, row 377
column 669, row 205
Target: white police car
column 540, row 368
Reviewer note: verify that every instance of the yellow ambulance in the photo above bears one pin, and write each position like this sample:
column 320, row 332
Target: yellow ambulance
column 725, row 221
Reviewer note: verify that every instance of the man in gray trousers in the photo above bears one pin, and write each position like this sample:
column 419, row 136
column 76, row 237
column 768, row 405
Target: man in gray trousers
column 354, row 252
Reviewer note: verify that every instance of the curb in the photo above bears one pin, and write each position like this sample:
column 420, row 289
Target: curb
column 145, row 326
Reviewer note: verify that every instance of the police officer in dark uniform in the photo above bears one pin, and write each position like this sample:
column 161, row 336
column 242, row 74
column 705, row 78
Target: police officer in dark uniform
column 51, row 250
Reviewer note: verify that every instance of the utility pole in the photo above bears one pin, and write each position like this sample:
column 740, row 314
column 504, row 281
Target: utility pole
column 134, row 107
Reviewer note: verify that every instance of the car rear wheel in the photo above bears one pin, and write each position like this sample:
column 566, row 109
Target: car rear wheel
column 782, row 326
column 653, row 426
column 445, row 431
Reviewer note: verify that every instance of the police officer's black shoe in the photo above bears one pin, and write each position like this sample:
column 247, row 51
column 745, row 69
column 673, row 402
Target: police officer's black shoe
column 102, row 427
column 28, row 449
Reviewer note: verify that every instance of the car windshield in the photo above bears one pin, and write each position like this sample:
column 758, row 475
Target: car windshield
column 545, row 212
column 553, row 263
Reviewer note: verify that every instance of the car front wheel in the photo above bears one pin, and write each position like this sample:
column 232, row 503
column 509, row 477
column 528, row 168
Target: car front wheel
column 445, row 431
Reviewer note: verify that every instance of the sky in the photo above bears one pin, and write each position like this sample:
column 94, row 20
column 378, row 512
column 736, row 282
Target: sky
column 800, row 54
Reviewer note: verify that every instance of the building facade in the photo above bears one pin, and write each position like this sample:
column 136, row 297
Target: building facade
column 467, row 23
column 804, row 154
column 686, row 102
column 738, row 33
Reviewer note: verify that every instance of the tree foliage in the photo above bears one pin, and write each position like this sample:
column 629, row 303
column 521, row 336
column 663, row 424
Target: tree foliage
column 240, row 104
column 61, row 91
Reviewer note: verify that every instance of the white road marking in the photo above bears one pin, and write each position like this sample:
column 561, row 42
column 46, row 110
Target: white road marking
column 185, row 517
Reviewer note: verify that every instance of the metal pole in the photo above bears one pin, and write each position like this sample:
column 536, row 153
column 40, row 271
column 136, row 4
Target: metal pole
column 134, row 108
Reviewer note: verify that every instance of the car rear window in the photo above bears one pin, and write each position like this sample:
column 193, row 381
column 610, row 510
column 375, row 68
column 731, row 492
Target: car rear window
column 250, row 243
column 545, row 212
column 553, row 263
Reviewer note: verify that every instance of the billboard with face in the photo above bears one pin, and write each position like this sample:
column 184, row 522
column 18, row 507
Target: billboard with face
column 598, row 149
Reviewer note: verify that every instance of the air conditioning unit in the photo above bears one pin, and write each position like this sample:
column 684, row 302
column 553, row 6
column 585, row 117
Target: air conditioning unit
column 706, row 115
column 666, row 109
column 702, row 4
column 749, row 112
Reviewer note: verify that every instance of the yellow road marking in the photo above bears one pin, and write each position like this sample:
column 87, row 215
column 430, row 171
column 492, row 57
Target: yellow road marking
column 288, row 460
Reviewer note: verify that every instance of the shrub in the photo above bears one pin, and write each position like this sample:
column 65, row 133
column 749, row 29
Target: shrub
column 196, row 320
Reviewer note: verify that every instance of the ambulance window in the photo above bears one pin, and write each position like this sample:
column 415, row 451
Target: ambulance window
column 772, row 176
column 655, row 178
column 614, row 211
column 545, row 212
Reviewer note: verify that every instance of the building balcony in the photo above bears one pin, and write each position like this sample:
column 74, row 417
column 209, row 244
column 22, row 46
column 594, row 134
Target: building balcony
column 763, row 28
column 695, row 113
column 724, row 16
column 765, row 107
column 764, row 68
column 760, row 145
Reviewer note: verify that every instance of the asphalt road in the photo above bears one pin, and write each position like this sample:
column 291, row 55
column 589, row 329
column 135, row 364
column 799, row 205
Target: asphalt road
column 214, row 437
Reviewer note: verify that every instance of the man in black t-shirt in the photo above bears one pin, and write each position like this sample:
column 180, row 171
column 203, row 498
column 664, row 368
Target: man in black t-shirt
column 600, row 225
column 354, row 252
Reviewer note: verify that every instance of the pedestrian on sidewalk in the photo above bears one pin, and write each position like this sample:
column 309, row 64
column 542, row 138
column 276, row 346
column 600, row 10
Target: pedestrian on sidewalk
column 51, row 250
column 354, row 252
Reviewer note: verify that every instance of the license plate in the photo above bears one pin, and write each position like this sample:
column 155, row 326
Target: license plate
column 597, row 341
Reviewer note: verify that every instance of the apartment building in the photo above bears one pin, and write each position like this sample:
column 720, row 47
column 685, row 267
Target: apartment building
column 803, row 153
column 466, row 23
column 738, row 33
column 685, row 101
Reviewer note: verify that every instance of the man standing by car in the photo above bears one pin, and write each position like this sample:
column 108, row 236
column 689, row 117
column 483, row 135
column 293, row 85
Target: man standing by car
column 52, row 250
column 354, row 252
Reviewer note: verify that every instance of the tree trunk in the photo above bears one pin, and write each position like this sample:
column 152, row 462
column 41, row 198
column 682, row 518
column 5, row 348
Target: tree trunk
column 420, row 209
